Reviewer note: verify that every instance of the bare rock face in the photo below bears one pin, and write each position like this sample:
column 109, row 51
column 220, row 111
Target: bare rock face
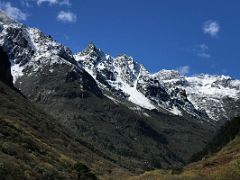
column 5, row 68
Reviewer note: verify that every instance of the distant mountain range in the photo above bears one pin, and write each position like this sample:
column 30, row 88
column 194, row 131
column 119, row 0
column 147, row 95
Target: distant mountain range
column 204, row 96
column 137, row 120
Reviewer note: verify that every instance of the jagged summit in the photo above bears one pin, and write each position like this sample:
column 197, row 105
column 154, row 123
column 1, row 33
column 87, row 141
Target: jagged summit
column 91, row 48
column 168, row 74
column 125, row 57
column 29, row 49
column 198, row 96
column 91, row 45
column 204, row 96
column 31, row 53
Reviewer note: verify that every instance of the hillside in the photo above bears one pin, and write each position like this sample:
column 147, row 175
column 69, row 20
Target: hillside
column 33, row 145
column 221, row 160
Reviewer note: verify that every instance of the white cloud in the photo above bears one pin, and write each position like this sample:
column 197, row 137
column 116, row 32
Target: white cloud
column 26, row 3
column 184, row 70
column 53, row 2
column 67, row 17
column 65, row 2
column 13, row 12
column 203, row 51
column 211, row 27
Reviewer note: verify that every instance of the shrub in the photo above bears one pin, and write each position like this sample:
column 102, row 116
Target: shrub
column 84, row 172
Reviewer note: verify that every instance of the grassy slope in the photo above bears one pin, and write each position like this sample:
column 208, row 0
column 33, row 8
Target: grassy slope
column 34, row 146
column 225, row 164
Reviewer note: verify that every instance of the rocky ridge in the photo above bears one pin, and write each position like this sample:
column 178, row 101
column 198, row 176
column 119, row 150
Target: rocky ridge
column 201, row 96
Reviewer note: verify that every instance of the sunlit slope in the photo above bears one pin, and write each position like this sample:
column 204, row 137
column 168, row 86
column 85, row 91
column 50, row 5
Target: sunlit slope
column 222, row 165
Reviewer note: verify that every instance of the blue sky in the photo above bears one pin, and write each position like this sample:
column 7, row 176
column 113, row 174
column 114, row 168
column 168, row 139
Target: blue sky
column 194, row 36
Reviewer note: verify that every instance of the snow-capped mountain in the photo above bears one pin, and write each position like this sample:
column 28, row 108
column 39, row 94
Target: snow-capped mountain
column 201, row 96
column 118, row 75
column 33, row 53
column 30, row 47
column 121, row 79
column 207, row 93
column 136, row 119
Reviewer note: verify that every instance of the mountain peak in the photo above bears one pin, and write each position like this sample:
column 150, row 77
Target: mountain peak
column 208, row 76
column 92, row 46
column 91, row 50
column 168, row 74
column 124, row 57
column 167, row 89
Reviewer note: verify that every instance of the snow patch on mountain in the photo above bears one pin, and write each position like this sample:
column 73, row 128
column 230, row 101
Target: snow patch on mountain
column 17, row 71
column 206, row 85
column 134, row 95
column 176, row 111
